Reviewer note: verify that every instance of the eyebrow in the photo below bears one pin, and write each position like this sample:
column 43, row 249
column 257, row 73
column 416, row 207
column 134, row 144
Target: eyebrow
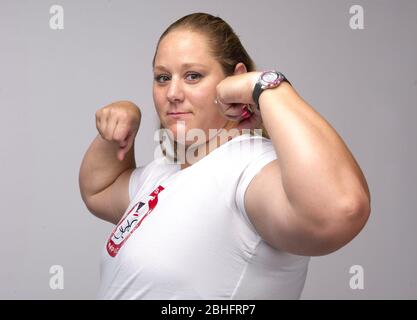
column 184, row 66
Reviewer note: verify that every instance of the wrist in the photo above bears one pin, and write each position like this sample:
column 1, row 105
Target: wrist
column 275, row 94
column 267, row 81
column 252, row 80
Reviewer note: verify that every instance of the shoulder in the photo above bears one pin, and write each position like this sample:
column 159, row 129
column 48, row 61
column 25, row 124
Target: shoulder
column 240, row 159
column 250, row 147
column 155, row 170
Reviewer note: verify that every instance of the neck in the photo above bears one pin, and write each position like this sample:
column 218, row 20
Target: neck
column 195, row 153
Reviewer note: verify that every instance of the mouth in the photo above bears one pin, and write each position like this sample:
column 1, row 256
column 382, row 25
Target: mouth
column 178, row 115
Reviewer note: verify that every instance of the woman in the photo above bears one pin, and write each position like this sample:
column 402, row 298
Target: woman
column 233, row 222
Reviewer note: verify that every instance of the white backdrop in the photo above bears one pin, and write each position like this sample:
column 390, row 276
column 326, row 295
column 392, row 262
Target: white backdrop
column 363, row 81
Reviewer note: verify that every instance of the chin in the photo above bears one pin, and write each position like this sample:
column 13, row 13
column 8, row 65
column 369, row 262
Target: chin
column 176, row 131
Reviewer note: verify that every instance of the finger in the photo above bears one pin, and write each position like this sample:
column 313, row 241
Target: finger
column 236, row 111
column 102, row 129
column 222, row 106
column 121, row 133
column 247, row 111
column 99, row 123
column 109, row 128
column 250, row 121
column 130, row 141
column 102, row 117
column 121, row 153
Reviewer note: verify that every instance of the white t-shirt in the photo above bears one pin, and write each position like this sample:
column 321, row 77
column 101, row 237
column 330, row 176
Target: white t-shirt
column 186, row 234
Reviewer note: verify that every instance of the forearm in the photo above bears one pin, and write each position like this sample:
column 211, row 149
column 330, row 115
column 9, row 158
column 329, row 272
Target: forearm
column 319, row 174
column 100, row 166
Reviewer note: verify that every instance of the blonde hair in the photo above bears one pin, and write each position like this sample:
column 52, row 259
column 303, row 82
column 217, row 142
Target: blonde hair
column 225, row 46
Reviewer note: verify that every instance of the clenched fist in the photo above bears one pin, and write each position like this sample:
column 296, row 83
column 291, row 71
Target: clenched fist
column 234, row 98
column 119, row 123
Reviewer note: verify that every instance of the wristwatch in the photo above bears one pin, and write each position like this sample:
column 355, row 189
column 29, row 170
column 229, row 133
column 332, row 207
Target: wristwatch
column 267, row 80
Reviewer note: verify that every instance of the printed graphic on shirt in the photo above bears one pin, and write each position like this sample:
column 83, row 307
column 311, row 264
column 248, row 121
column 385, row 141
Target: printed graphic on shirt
column 131, row 222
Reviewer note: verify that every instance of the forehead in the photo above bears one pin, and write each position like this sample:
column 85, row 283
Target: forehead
column 183, row 46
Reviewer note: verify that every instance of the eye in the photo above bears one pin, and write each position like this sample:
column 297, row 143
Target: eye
column 161, row 78
column 193, row 76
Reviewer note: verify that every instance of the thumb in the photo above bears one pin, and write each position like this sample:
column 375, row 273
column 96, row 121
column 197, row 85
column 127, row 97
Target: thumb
column 121, row 154
column 125, row 146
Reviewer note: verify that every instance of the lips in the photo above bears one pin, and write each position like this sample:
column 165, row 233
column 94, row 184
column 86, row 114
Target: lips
column 179, row 115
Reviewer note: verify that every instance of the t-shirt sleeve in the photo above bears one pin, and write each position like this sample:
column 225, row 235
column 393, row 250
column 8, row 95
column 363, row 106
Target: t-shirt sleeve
column 250, row 171
column 137, row 179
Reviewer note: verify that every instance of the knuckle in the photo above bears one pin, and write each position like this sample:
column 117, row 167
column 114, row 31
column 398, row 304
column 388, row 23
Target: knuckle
column 105, row 136
column 117, row 137
column 107, row 110
column 98, row 114
column 123, row 116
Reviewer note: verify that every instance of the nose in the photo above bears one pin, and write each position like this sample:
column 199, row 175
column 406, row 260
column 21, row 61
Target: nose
column 175, row 91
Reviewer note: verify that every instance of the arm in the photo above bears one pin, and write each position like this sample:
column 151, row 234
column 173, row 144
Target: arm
column 109, row 161
column 314, row 198
column 324, row 192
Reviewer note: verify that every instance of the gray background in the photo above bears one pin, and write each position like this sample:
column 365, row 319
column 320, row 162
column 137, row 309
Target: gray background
column 52, row 81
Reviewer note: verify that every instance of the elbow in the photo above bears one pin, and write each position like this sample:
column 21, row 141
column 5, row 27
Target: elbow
column 90, row 205
column 356, row 211
column 343, row 226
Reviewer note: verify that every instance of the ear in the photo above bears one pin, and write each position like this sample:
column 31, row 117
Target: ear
column 240, row 68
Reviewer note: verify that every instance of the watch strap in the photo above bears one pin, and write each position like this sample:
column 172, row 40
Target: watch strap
column 257, row 90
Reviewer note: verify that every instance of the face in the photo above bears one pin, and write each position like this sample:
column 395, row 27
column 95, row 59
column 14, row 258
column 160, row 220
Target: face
column 184, row 86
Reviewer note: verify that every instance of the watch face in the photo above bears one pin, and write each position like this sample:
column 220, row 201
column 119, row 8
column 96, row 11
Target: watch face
column 269, row 77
